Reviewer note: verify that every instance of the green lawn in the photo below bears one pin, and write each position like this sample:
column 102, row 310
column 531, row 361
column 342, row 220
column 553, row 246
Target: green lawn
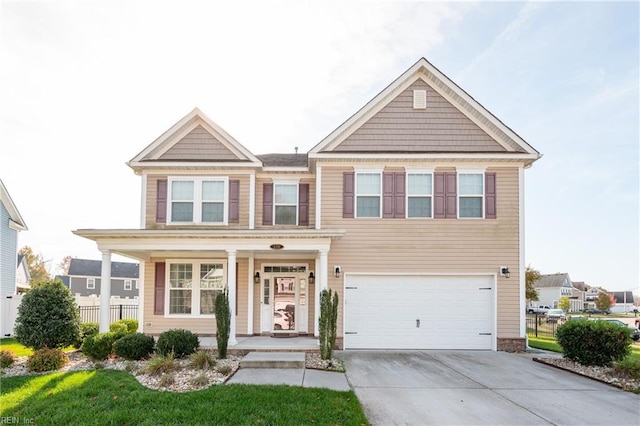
column 12, row 344
column 552, row 345
column 115, row 397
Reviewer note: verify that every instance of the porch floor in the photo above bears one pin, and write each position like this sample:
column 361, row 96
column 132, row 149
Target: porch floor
column 267, row 343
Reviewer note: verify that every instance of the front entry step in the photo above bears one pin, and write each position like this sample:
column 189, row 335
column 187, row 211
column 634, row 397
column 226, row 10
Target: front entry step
column 273, row 360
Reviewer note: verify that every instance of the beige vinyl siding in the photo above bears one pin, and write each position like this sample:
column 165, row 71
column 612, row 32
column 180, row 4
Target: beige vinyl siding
column 440, row 127
column 430, row 245
column 200, row 145
column 202, row 326
column 152, row 194
column 259, row 200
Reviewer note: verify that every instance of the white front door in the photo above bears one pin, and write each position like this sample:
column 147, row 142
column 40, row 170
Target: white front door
column 284, row 299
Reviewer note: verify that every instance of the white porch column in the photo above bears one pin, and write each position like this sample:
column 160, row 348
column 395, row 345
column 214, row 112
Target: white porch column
column 252, row 201
column 322, row 283
column 318, row 197
column 105, row 292
column 250, row 283
column 141, row 296
column 231, row 285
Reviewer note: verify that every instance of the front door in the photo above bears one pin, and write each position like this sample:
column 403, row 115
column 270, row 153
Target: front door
column 284, row 299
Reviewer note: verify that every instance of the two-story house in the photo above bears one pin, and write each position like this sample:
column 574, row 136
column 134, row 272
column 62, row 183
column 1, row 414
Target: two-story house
column 11, row 223
column 411, row 210
column 552, row 287
column 84, row 278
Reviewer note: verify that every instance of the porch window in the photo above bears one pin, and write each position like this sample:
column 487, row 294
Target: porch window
column 286, row 203
column 193, row 287
column 368, row 194
column 180, row 288
column 198, row 200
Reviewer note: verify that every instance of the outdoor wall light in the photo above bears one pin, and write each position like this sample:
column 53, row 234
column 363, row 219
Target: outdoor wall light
column 256, row 278
column 504, row 271
column 312, row 278
column 336, row 271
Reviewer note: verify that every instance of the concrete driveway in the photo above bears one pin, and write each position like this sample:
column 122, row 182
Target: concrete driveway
column 480, row 388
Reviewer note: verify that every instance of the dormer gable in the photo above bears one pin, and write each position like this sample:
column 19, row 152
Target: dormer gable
column 194, row 139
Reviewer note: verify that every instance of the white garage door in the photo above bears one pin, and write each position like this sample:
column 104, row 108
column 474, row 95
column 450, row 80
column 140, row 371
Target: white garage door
column 419, row 312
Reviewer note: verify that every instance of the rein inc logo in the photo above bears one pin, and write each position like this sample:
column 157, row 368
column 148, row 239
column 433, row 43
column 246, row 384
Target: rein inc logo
column 8, row 420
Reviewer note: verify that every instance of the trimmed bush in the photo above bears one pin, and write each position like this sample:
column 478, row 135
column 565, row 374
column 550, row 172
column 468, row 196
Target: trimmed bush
column 223, row 323
column 100, row 346
column 594, row 342
column 47, row 360
column 86, row 329
column 7, row 358
column 118, row 327
column 132, row 324
column 179, row 342
column 48, row 317
column 134, row 346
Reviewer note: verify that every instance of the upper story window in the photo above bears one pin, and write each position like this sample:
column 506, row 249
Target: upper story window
column 91, row 283
column 419, row 194
column 201, row 200
column 470, row 195
column 127, row 284
column 285, row 203
column 368, row 194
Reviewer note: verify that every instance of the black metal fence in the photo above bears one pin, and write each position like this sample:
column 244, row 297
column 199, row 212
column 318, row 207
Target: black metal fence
column 117, row 312
column 538, row 326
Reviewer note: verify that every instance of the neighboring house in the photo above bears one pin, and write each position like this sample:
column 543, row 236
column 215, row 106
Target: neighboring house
column 11, row 223
column 624, row 301
column 411, row 210
column 552, row 287
column 23, row 276
column 84, row 278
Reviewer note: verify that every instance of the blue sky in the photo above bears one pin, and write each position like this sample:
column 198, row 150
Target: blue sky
column 87, row 85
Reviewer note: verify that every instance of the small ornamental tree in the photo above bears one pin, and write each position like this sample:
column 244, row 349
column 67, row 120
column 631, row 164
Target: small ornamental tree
column 531, row 276
column 564, row 303
column 223, row 323
column 604, row 301
column 48, row 317
column 328, row 323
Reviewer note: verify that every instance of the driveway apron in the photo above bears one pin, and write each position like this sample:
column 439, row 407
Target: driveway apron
column 480, row 388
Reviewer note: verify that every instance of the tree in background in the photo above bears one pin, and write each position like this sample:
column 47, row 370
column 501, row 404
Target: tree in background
column 605, row 301
column 36, row 264
column 64, row 265
column 564, row 303
column 531, row 276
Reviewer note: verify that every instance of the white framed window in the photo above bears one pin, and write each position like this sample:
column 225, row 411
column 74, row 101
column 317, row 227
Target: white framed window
column 193, row 287
column 137, row 285
column 368, row 194
column 127, row 284
column 91, row 283
column 198, row 200
column 285, row 203
column 470, row 195
column 420, row 194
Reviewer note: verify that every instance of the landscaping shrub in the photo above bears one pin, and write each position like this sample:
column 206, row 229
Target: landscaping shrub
column 48, row 317
column 179, row 342
column 47, row 359
column 86, row 329
column 118, row 327
column 132, row 324
column 7, row 358
column 134, row 346
column 328, row 323
column 223, row 323
column 100, row 346
column 201, row 360
column 161, row 364
column 594, row 342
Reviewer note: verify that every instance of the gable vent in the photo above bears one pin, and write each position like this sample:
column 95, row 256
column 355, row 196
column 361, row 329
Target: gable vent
column 419, row 99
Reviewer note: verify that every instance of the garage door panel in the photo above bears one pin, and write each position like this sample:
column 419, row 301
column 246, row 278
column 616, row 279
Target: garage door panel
column 419, row 312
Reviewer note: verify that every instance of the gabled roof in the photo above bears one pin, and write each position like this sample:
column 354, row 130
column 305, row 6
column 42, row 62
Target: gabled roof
column 93, row 268
column 552, row 280
column 580, row 285
column 284, row 160
column 195, row 139
column 16, row 222
column 508, row 145
column 620, row 296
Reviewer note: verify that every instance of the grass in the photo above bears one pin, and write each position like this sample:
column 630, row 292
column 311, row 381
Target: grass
column 115, row 397
column 10, row 343
column 545, row 344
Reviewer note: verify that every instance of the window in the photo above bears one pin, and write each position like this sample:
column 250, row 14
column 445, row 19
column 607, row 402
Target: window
column 127, row 284
column 197, row 200
column 368, row 194
column 194, row 294
column 91, row 283
column 470, row 195
column 136, row 284
column 419, row 194
column 285, row 203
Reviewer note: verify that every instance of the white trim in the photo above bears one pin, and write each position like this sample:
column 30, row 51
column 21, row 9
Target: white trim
column 15, row 222
column 459, row 196
column 368, row 168
column 185, row 166
column 125, row 285
column 250, row 293
column 521, row 254
column 93, row 286
column 143, row 200
column 318, row 218
column 141, row 298
column 197, row 199
column 295, row 183
column 407, row 195
column 470, row 169
column 371, row 171
column 517, row 157
column 195, row 289
column 252, row 201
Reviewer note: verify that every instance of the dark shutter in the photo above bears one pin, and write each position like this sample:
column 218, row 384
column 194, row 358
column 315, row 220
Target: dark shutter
column 158, row 289
column 439, row 196
column 399, row 195
column 161, row 201
column 490, row 195
column 388, row 195
column 267, row 204
column 303, row 204
column 347, row 194
column 451, row 196
column 234, row 201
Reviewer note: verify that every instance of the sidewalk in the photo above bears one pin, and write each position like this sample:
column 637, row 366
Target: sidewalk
column 304, row 377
